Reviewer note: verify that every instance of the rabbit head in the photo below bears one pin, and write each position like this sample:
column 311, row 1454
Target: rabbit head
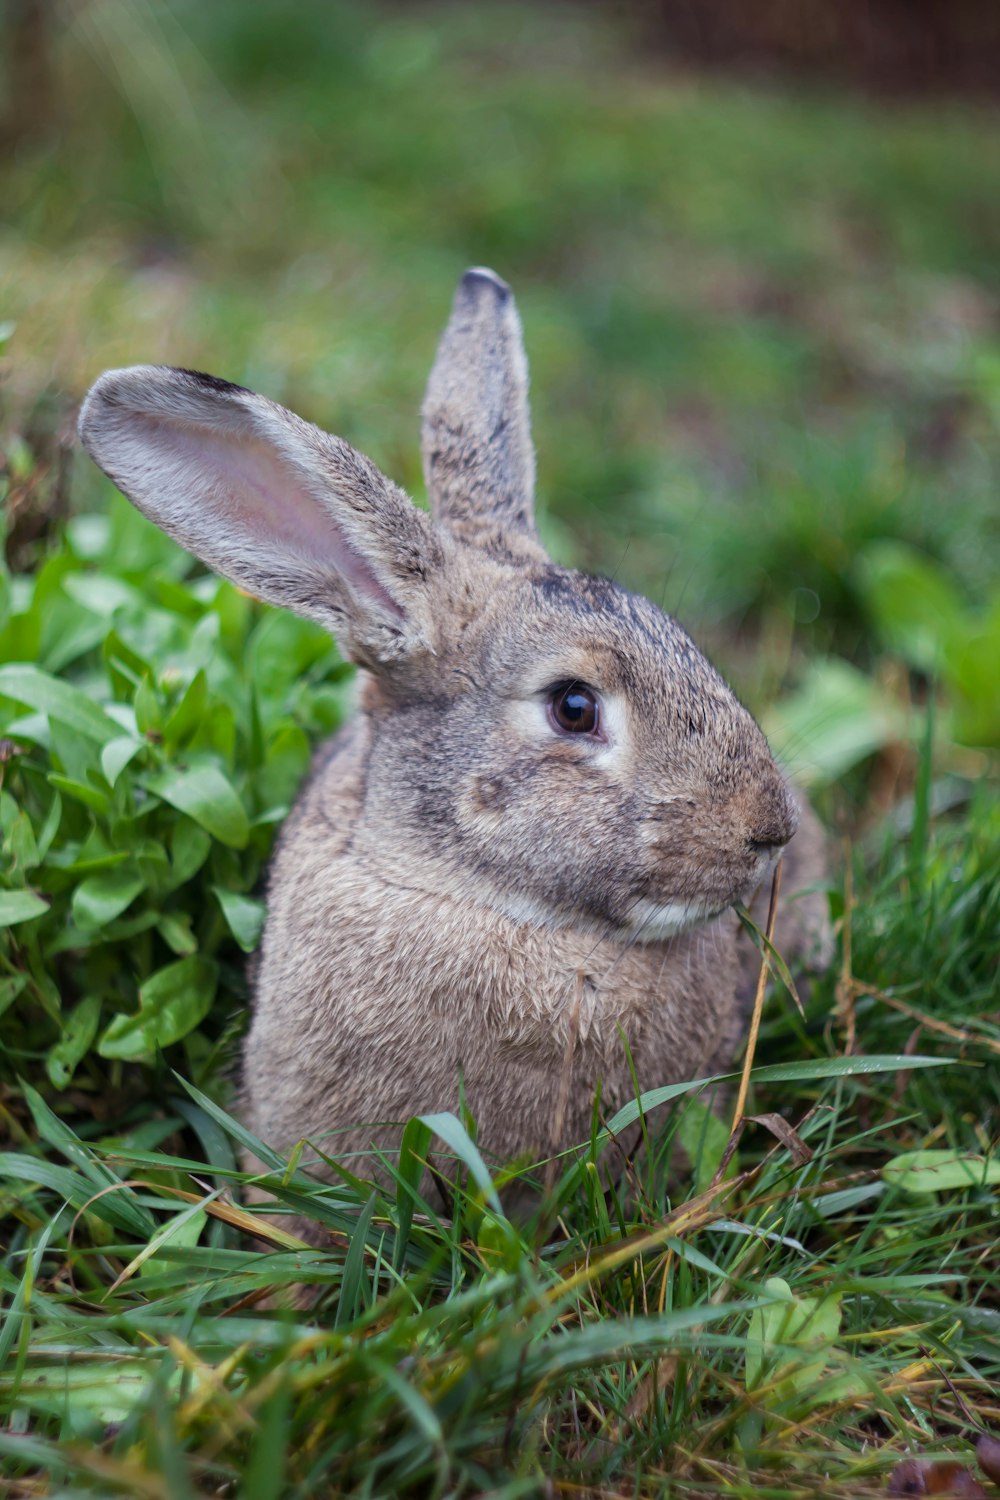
column 549, row 743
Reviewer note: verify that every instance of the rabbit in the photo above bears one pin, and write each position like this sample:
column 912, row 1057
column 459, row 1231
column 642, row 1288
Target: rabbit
column 523, row 850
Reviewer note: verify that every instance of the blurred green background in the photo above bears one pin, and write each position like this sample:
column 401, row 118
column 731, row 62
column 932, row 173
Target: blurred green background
column 762, row 320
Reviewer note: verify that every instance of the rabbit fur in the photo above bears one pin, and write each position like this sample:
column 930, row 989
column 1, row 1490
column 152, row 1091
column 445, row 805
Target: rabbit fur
column 465, row 893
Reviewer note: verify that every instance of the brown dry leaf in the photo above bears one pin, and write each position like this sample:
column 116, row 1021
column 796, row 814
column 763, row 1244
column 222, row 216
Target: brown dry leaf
column 988, row 1454
column 924, row 1476
column 801, row 1153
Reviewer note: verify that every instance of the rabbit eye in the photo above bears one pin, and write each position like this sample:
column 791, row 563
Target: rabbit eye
column 574, row 709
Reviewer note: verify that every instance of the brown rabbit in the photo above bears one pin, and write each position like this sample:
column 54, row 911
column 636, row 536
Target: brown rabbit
column 528, row 841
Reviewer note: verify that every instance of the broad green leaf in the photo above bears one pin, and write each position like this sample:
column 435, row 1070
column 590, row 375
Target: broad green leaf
column 116, row 755
column 207, row 797
column 171, row 1004
column 973, row 672
column 79, row 1030
column 244, row 916
column 286, row 761
column 91, row 1396
column 58, row 700
column 21, row 844
column 189, row 848
column 790, row 1349
column 704, row 1137
column 101, row 898
column 940, row 1171
column 188, row 713
column 11, row 986
column 836, row 718
column 50, row 827
column 175, row 930
column 916, row 606
column 148, row 709
column 20, row 906
column 81, row 791
column 102, row 593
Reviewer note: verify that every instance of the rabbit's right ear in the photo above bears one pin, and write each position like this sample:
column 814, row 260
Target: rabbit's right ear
column 479, row 460
column 286, row 511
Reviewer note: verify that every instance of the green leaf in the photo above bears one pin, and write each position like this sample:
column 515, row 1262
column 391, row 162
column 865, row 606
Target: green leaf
column 91, row 1396
column 22, row 846
column 20, row 906
column 354, row 1282
column 103, row 593
column 790, row 1348
column 791, row 1072
column 412, row 1165
column 940, row 1171
column 189, row 712
column 183, row 1228
column 116, row 755
column 13, row 1323
column 836, row 718
column 454, row 1134
column 704, row 1138
column 101, row 898
column 234, row 1128
column 244, row 916
column 972, row 669
column 190, row 846
column 121, row 1207
column 50, row 827
column 175, row 930
column 58, row 700
column 171, row 1004
column 81, row 791
column 914, row 603
column 264, row 1476
column 207, row 797
column 148, row 710
column 79, row 1031
column 11, row 986
column 785, row 1321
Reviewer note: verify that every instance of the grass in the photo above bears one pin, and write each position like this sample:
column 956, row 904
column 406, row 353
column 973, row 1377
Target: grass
column 763, row 341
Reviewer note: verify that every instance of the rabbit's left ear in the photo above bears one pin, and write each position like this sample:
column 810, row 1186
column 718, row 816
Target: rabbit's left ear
column 479, row 461
column 282, row 509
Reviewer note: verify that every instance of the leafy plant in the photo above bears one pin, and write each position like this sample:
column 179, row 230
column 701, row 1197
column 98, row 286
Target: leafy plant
column 922, row 614
column 792, row 1361
column 153, row 738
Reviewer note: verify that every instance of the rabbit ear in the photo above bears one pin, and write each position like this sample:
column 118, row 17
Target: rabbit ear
column 479, row 462
column 285, row 511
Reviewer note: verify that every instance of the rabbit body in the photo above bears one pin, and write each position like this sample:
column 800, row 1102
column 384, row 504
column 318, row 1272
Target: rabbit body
column 523, row 850
column 413, row 986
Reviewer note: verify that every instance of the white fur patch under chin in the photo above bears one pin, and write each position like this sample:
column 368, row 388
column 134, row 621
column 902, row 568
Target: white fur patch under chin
column 529, row 910
column 652, row 921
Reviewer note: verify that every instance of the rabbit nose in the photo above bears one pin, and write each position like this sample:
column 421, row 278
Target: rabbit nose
column 768, row 844
column 775, row 823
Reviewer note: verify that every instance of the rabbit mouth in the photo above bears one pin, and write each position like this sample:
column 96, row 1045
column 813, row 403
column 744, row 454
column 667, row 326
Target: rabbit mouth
column 652, row 921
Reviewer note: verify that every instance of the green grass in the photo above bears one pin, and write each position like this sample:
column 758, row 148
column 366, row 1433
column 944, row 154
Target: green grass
column 765, row 363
